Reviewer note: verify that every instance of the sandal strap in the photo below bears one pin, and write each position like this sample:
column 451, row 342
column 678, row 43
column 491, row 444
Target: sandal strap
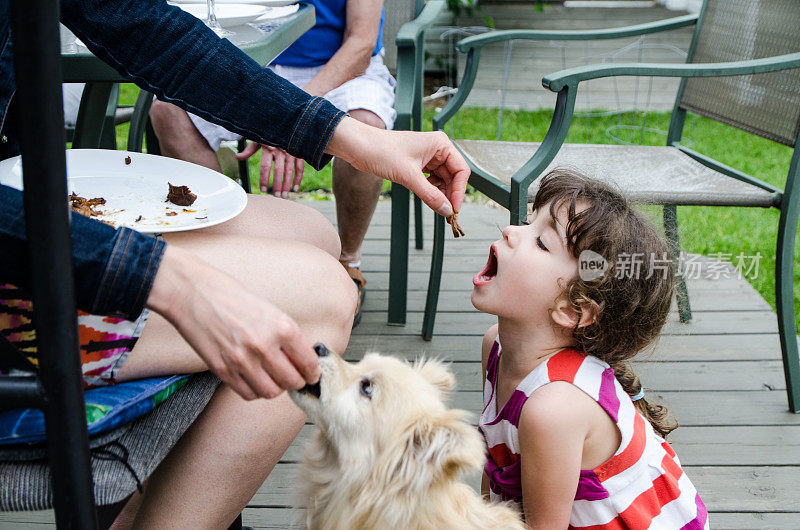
column 355, row 274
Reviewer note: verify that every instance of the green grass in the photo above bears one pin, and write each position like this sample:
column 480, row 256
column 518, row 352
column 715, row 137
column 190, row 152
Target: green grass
column 711, row 231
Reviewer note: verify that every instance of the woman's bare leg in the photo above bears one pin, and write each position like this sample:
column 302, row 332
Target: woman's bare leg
column 305, row 282
column 220, row 462
column 269, row 217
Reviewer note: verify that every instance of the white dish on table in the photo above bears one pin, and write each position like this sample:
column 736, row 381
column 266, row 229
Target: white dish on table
column 139, row 189
column 228, row 15
column 265, row 3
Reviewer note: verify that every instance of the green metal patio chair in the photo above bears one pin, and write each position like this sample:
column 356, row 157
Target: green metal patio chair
column 733, row 40
column 408, row 104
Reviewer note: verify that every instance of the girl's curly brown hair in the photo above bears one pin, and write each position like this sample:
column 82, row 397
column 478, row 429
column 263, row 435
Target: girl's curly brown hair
column 631, row 299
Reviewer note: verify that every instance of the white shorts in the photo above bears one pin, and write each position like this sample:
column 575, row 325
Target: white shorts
column 373, row 91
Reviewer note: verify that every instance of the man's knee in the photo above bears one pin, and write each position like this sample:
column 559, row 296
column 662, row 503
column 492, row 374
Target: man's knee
column 368, row 117
column 165, row 116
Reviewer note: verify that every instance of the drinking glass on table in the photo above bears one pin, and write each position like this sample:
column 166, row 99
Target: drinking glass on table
column 213, row 23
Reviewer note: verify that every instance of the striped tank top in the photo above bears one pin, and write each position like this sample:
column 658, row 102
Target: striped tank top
column 641, row 486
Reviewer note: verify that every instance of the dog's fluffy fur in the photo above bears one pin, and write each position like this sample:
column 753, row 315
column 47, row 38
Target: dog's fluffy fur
column 388, row 454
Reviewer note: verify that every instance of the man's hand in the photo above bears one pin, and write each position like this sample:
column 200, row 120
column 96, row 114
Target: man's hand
column 287, row 171
column 403, row 157
column 250, row 344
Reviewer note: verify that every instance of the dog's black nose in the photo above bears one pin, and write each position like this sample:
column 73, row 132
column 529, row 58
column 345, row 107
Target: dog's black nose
column 321, row 349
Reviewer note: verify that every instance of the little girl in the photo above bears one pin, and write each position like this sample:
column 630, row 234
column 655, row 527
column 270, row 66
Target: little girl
column 578, row 291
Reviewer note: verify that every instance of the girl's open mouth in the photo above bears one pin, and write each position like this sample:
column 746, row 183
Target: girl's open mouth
column 489, row 271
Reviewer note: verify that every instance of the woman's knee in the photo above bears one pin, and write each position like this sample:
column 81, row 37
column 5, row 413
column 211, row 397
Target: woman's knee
column 314, row 228
column 328, row 312
column 267, row 216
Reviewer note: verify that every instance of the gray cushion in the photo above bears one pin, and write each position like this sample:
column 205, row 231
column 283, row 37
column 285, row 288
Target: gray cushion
column 25, row 476
column 644, row 174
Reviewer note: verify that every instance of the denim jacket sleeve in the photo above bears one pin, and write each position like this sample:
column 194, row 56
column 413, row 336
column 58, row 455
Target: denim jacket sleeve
column 114, row 269
column 174, row 55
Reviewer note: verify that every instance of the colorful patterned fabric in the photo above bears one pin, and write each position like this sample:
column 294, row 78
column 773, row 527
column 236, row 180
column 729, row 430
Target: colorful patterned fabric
column 641, row 486
column 107, row 407
column 105, row 342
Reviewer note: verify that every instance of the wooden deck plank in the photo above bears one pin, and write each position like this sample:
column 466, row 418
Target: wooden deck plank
column 473, row 323
column 664, row 375
column 763, row 346
column 761, row 489
column 696, row 446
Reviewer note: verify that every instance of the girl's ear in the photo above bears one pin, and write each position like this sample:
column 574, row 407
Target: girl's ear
column 566, row 316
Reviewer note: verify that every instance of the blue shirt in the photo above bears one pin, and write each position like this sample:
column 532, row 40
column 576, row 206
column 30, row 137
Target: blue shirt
column 318, row 44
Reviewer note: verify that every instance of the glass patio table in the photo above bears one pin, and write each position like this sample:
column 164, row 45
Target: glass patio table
column 261, row 40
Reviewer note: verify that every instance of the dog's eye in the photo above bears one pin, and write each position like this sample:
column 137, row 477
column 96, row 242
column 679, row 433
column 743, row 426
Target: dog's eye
column 366, row 388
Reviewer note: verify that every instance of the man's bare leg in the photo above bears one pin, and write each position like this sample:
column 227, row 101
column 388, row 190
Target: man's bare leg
column 179, row 138
column 356, row 195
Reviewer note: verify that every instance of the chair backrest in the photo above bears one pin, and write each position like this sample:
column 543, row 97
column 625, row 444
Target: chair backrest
column 397, row 13
column 734, row 30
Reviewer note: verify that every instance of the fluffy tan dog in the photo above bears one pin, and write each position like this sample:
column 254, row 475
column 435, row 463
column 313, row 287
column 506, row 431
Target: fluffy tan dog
column 388, row 454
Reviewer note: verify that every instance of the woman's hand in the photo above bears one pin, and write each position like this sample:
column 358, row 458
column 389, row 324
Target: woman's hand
column 403, row 157
column 246, row 341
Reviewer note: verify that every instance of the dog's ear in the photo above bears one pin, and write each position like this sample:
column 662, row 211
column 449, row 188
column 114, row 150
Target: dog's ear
column 437, row 374
column 448, row 446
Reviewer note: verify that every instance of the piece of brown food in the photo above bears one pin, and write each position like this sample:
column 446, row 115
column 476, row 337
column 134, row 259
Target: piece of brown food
column 127, row 160
column 172, row 213
column 452, row 220
column 85, row 206
column 138, row 219
column 180, row 195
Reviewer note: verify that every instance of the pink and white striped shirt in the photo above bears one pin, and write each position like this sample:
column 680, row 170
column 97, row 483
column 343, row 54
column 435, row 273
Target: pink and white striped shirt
column 641, row 486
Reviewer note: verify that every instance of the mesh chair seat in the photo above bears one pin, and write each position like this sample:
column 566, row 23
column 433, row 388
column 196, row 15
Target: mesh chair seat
column 139, row 447
column 644, row 174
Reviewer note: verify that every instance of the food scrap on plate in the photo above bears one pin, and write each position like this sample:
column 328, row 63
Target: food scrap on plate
column 180, row 195
column 84, row 206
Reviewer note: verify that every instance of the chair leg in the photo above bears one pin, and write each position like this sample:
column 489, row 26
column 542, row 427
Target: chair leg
column 153, row 147
column 108, row 134
column 398, row 257
column 435, row 278
column 139, row 123
column 671, row 231
column 784, row 296
column 418, row 223
column 244, row 168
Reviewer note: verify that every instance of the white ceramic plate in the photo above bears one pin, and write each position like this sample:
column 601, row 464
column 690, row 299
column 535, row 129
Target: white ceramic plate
column 140, row 189
column 266, row 3
column 228, row 15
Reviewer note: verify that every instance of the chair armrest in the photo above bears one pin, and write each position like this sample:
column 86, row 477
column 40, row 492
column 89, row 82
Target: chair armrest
column 478, row 41
column 410, row 31
column 573, row 76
